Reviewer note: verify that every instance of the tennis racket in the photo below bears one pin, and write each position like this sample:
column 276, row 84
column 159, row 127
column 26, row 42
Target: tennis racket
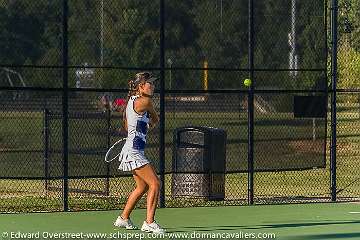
column 115, row 150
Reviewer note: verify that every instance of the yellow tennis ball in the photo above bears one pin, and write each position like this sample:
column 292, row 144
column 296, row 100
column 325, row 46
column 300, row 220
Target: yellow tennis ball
column 247, row 82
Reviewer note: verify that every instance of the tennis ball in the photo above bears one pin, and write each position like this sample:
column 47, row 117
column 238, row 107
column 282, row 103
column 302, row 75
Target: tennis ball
column 247, row 82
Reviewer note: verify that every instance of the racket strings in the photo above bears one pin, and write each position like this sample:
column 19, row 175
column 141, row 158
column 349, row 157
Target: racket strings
column 115, row 150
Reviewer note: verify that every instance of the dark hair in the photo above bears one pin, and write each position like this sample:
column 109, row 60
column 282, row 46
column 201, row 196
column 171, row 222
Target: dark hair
column 133, row 90
column 144, row 76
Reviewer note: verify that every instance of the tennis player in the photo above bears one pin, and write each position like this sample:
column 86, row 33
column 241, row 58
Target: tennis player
column 139, row 116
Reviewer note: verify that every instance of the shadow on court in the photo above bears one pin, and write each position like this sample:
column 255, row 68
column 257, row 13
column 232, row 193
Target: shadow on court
column 327, row 236
column 205, row 228
column 305, row 224
column 269, row 226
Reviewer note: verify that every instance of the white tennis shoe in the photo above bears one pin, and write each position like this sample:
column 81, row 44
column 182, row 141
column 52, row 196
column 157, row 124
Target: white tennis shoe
column 128, row 224
column 152, row 227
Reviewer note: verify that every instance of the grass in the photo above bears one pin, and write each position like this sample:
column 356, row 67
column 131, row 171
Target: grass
column 280, row 141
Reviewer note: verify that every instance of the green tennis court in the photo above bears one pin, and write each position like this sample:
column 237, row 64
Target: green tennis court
column 296, row 221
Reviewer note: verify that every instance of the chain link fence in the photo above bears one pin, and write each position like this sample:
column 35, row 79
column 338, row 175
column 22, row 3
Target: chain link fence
column 53, row 136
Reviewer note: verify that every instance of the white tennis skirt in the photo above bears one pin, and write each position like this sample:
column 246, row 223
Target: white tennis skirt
column 132, row 159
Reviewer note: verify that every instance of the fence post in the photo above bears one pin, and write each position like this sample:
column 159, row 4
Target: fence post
column 65, row 105
column 108, row 119
column 46, row 147
column 162, row 102
column 334, row 12
column 251, row 107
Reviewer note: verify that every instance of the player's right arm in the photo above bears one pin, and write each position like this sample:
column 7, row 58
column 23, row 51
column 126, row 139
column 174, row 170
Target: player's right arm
column 154, row 118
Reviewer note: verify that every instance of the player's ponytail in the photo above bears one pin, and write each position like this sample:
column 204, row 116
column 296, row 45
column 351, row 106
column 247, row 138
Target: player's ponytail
column 133, row 90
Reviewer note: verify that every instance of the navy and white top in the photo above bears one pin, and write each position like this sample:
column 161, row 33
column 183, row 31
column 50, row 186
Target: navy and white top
column 132, row 154
column 137, row 125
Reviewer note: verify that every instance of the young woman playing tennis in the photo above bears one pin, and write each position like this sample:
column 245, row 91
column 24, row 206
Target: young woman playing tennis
column 138, row 117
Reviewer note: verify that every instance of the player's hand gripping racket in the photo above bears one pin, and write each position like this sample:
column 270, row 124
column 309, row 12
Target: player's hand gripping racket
column 115, row 150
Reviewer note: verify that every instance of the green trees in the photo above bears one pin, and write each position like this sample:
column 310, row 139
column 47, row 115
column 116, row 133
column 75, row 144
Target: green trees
column 127, row 34
column 348, row 66
column 349, row 44
column 31, row 34
column 222, row 40
column 131, row 38
column 181, row 47
column 312, row 43
column 272, row 27
column 23, row 32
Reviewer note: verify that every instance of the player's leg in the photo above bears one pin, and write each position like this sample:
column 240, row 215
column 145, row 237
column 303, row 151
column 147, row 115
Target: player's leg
column 134, row 197
column 124, row 219
column 148, row 174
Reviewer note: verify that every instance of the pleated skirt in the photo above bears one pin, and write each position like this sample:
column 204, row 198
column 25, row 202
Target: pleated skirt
column 131, row 159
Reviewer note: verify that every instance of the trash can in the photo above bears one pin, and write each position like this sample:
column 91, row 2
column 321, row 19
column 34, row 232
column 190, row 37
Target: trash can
column 199, row 155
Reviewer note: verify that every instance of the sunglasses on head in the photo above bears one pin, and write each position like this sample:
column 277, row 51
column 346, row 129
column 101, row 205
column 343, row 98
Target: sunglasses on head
column 143, row 75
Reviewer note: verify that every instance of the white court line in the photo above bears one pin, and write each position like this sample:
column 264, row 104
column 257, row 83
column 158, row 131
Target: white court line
column 355, row 212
